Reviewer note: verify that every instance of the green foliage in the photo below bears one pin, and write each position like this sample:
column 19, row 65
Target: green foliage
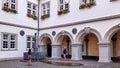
column 45, row 16
column 9, row 10
column 63, row 12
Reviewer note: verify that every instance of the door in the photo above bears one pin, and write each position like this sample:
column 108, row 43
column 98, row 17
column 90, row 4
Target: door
column 49, row 50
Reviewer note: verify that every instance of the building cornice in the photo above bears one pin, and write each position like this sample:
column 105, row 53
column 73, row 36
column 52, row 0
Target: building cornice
column 64, row 25
column 83, row 22
column 16, row 25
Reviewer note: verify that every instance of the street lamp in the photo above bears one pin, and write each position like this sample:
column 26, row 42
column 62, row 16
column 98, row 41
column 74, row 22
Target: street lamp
column 35, row 54
column 38, row 24
column 37, row 34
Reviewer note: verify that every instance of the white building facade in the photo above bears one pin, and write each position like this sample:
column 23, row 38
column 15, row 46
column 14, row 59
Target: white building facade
column 16, row 28
column 87, row 28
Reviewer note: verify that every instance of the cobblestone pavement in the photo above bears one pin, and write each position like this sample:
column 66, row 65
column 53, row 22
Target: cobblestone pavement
column 38, row 64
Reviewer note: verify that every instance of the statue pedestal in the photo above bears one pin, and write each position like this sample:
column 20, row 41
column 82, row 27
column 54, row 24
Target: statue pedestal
column 35, row 56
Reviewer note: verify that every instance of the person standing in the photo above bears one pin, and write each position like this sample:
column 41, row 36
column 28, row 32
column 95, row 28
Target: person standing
column 64, row 52
column 29, row 58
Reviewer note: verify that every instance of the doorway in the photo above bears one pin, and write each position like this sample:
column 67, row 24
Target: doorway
column 49, row 50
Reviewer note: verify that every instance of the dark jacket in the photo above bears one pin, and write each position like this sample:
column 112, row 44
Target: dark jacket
column 65, row 51
column 29, row 52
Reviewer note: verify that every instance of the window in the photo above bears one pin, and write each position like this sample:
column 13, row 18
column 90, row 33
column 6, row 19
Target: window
column 86, row 3
column 63, row 7
column 45, row 10
column 32, row 10
column 10, row 6
column 30, row 41
column 9, row 41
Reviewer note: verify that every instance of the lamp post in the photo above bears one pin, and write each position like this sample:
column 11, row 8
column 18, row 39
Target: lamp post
column 37, row 34
column 38, row 24
column 35, row 54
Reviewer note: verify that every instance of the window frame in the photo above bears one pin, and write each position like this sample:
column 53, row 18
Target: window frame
column 10, row 4
column 31, row 8
column 46, row 9
column 31, row 41
column 87, row 4
column 63, row 5
column 9, row 41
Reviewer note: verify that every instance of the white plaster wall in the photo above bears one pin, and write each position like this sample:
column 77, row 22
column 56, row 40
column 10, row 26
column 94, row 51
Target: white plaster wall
column 21, row 41
column 20, row 18
column 103, row 8
column 101, row 26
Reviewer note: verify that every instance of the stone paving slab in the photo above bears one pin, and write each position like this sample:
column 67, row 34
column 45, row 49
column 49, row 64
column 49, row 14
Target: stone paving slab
column 38, row 64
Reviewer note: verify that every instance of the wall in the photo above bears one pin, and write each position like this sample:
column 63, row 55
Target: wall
column 21, row 41
column 101, row 26
column 103, row 8
column 21, row 17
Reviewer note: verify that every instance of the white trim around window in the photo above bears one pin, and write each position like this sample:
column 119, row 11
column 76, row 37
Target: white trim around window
column 11, row 4
column 30, row 40
column 62, row 5
column 8, row 41
column 45, row 8
column 31, row 8
column 87, row 3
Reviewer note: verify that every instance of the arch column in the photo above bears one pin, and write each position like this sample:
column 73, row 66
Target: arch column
column 41, row 48
column 56, row 51
column 104, row 52
column 76, row 52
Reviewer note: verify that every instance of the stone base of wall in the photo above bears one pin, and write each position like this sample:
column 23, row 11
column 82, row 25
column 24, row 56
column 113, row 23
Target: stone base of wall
column 11, row 58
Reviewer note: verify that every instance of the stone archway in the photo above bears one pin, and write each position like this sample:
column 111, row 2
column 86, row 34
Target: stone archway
column 113, row 37
column 90, row 47
column 43, row 36
column 64, row 39
column 89, row 38
column 61, row 34
column 79, row 37
column 46, row 44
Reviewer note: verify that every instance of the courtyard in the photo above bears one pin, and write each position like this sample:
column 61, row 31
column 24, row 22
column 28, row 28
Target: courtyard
column 38, row 64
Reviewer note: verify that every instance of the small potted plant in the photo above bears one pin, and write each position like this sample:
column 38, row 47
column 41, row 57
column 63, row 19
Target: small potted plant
column 59, row 12
column 29, row 15
column 13, row 11
column 42, row 17
column 82, row 6
column 65, row 11
column 88, row 5
column 46, row 15
column 6, row 9
column 34, row 17
column 92, row 3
